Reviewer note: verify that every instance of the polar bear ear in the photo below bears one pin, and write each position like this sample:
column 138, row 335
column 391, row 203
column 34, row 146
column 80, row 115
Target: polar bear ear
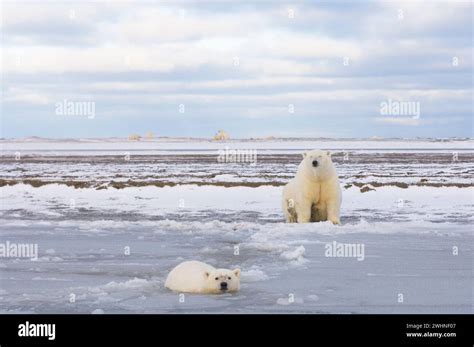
column 304, row 154
column 206, row 274
column 328, row 154
column 237, row 273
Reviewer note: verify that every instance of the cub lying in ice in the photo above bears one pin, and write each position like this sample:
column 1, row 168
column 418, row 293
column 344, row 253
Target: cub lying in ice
column 198, row 277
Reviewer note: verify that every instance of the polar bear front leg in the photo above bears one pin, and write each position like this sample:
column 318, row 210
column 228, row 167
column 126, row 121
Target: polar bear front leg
column 333, row 207
column 292, row 216
column 289, row 210
column 303, row 212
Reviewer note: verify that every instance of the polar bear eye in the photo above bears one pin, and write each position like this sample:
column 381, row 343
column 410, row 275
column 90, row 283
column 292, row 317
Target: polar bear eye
column 229, row 278
column 217, row 278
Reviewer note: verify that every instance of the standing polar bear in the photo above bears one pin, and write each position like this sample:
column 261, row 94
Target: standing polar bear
column 314, row 195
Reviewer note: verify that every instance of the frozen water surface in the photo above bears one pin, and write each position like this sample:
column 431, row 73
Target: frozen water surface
column 414, row 219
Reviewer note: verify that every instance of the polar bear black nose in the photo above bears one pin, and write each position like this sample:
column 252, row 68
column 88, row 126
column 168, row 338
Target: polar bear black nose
column 315, row 163
column 223, row 285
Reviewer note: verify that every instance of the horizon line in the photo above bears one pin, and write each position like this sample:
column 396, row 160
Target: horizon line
column 264, row 138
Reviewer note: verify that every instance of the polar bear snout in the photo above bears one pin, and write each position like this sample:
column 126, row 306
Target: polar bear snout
column 224, row 286
column 315, row 163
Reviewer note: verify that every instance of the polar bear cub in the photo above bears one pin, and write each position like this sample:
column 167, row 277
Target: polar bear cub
column 314, row 194
column 198, row 277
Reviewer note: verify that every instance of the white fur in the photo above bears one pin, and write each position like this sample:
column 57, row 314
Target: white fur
column 198, row 277
column 314, row 194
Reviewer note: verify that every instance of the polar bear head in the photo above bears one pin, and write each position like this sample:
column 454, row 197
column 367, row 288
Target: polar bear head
column 222, row 281
column 317, row 165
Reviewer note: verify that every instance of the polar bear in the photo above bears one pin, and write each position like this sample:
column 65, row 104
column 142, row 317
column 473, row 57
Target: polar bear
column 314, row 195
column 198, row 277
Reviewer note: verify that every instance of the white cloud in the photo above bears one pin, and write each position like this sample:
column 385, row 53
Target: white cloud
column 409, row 121
column 28, row 96
column 291, row 44
column 171, row 24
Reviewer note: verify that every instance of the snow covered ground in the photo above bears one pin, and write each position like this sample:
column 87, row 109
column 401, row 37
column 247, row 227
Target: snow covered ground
column 112, row 146
column 109, row 230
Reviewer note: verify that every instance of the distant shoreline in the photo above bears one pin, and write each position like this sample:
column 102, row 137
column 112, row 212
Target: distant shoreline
column 250, row 139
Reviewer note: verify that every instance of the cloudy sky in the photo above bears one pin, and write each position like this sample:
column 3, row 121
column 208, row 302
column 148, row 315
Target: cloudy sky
column 182, row 68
